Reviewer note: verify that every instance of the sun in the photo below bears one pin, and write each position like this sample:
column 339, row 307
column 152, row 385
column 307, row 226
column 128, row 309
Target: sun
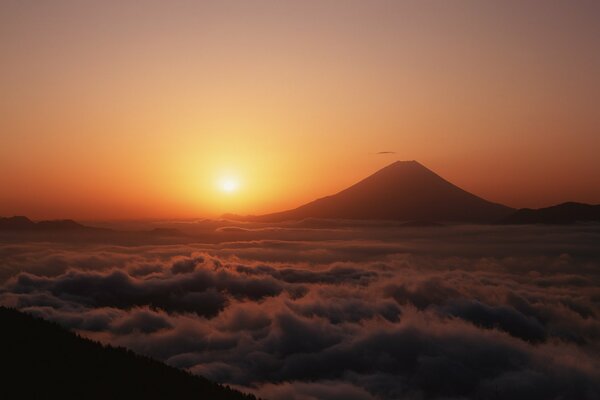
column 229, row 185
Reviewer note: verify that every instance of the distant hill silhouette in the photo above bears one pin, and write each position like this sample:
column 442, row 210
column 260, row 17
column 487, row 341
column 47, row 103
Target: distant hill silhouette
column 41, row 360
column 20, row 223
column 404, row 190
column 565, row 213
column 20, row 228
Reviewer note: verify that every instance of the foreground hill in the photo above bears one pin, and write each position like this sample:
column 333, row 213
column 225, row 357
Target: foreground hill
column 404, row 190
column 565, row 213
column 41, row 360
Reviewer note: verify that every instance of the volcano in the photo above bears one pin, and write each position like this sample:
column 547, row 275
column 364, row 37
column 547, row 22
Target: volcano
column 404, row 190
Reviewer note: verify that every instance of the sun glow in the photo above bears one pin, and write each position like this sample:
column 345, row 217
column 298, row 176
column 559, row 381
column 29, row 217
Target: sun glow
column 228, row 185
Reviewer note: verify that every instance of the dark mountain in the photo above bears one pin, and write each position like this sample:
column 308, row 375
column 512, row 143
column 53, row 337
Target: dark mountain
column 404, row 190
column 41, row 360
column 565, row 213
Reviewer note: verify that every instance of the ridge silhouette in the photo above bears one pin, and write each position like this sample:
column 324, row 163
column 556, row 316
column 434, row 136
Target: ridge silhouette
column 560, row 214
column 42, row 360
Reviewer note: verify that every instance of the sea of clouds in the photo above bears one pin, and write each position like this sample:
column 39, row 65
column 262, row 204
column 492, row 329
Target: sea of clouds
column 346, row 313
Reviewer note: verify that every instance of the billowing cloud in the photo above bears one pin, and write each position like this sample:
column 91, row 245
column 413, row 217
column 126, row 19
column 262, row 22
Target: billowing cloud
column 445, row 313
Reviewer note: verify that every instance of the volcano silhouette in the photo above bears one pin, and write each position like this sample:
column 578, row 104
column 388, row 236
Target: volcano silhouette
column 404, row 190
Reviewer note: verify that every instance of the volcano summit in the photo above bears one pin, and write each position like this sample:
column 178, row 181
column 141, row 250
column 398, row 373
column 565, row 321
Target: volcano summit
column 404, row 190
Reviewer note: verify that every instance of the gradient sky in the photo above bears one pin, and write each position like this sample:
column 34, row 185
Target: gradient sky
column 122, row 109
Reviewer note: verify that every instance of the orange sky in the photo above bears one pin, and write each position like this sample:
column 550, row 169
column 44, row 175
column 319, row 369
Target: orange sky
column 119, row 109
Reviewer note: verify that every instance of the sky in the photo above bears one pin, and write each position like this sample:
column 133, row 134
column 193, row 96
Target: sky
column 128, row 109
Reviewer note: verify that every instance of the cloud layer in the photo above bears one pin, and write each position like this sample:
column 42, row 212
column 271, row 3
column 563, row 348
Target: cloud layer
column 430, row 316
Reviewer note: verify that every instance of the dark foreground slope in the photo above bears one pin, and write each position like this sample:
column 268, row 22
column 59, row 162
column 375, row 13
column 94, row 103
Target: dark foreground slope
column 565, row 213
column 41, row 360
column 404, row 190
